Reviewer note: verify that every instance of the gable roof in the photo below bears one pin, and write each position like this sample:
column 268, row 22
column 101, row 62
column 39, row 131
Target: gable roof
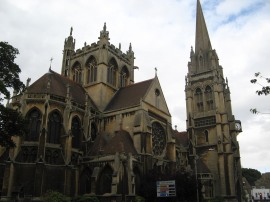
column 121, row 143
column 181, row 138
column 58, row 87
column 129, row 96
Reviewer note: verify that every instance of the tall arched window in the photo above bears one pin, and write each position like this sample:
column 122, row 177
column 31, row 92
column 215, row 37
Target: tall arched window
column 112, row 71
column 34, row 119
column 77, row 72
column 158, row 138
column 199, row 99
column 105, row 181
column 93, row 131
column 85, row 182
column 124, row 77
column 206, row 136
column 76, row 132
column 54, row 127
column 91, row 69
column 209, row 98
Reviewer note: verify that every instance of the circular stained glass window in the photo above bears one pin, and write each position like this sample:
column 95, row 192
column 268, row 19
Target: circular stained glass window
column 158, row 138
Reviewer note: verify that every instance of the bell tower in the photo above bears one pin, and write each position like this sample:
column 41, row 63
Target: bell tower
column 211, row 125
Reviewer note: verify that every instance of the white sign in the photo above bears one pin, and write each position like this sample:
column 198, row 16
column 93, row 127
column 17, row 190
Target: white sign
column 166, row 188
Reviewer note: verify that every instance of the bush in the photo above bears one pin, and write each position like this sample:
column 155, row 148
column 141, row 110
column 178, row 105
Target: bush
column 139, row 199
column 54, row 196
column 85, row 198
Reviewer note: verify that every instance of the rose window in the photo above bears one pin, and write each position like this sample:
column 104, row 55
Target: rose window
column 158, row 138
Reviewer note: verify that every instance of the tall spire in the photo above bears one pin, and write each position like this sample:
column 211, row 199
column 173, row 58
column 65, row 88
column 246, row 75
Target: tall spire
column 202, row 40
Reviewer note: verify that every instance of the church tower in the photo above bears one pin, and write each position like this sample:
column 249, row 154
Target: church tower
column 211, row 126
column 101, row 68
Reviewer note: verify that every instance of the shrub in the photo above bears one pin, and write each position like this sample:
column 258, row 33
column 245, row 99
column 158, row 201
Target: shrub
column 54, row 196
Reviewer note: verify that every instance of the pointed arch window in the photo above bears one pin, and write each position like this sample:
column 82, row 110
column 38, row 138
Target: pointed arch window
column 158, row 138
column 199, row 99
column 124, row 77
column 54, row 127
column 209, row 98
column 91, row 69
column 112, row 72
column 76, row 132
column 77, row 72
column 105, row 180
column 34, row 118
column 93, row 131
column 206, row 136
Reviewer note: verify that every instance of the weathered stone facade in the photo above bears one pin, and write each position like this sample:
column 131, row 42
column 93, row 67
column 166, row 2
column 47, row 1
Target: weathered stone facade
column 92, row 129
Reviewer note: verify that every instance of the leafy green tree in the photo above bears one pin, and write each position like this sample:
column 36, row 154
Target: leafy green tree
column 252, row 175
column 263, row 82
column 9, row 70
column 11, row 121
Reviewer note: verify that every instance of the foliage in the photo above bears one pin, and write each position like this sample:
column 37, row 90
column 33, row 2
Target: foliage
column 264, row 90
column 85, row 198
column 9, row 71
column 11, row 123
column 139, row 199
column 263, row 181
column 252, row 175
column 54, row 196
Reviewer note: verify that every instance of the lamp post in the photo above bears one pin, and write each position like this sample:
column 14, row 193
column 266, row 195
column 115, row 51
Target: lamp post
column 196, row 175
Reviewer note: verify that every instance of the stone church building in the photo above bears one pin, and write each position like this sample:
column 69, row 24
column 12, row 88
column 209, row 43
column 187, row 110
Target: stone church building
column 93, row 129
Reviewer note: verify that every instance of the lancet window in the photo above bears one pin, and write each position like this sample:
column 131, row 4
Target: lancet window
column 77, row 72
column 91, row 69
column 199, row 99
column 112, row 71
column 76, row 132
column 34, row 118
column 209, row 98
column 124, row 77
column 54, row 127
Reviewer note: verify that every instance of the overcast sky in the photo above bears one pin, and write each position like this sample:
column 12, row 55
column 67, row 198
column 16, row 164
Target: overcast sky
column 162, row 33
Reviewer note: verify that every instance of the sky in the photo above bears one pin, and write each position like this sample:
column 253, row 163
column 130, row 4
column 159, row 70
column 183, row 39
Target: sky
column 161, row 33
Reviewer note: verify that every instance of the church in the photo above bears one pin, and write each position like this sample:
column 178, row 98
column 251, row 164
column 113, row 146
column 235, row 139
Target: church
column 94, row 130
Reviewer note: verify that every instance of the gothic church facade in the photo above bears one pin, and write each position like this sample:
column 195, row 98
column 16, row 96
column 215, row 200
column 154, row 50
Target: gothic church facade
column 93, row 129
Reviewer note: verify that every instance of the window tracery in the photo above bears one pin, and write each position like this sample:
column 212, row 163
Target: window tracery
column 91, row 70
column 112, row 71
column 209, row 98
column 76, row 132
column 199, row 99
column 34, row 118
column 158, row 138
column 124, row 77
column 77, row 72
column 54, row 127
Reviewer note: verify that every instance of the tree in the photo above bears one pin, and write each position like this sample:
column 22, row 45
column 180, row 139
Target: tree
column 11, row 121
column 9, row 70
column 264, row 90
column 251, row 175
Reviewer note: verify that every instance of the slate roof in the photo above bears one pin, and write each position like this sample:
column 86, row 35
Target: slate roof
column 121, row 143
column 181, row 138
column 58, row 87
column 129, row 96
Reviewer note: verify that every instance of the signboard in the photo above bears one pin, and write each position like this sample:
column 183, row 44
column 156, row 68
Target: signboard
column 166, row 188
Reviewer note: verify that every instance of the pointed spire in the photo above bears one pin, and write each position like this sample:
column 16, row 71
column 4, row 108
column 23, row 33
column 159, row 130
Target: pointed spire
column 202, row 40
column 71, row 29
